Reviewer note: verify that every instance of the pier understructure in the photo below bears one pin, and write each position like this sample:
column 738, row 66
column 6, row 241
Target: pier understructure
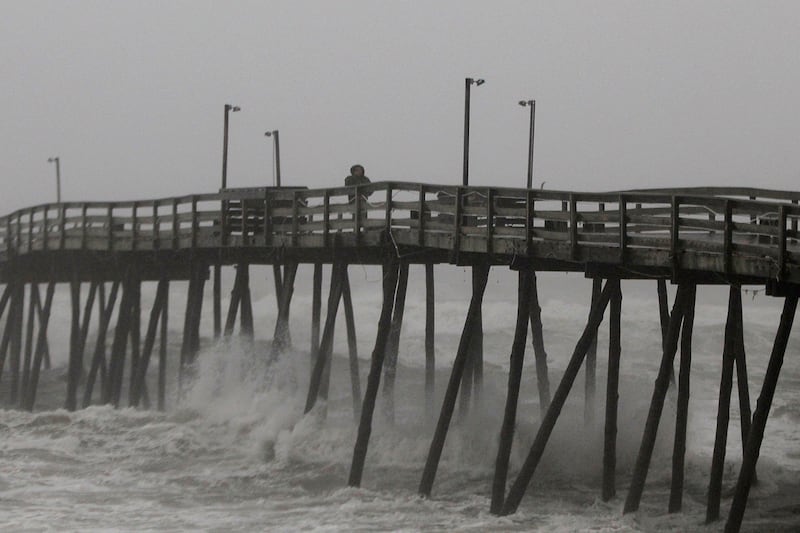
column 688, row 237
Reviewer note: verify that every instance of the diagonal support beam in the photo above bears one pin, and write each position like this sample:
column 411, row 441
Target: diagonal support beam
column 685, row 294
column 390, row 275
column 520, row 485
column 760, row 416
column 723, row 406
column 448, row 405
column 512, row 396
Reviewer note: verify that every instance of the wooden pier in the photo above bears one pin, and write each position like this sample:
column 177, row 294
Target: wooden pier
column 690, row 237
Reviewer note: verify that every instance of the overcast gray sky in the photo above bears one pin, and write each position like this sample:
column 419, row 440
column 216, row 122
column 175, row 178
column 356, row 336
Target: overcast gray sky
column 629, row 94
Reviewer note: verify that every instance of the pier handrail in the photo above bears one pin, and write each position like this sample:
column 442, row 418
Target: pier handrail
column 739, row 231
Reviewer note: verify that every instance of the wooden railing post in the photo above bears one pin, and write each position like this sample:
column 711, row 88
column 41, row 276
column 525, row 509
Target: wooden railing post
column 30, row 229
column 156, row 227
column 175, row 224
column 421, row 219
column 457, row 220
column 489, row 221
column 295, row 221
column 243, row 225
column 326, row 217
column 134, row 225
column 266, row 223
column 388, row 207
column 357, row 215
column 529, row 214
column 781, row 242
column 623, row 227
column 9, row 236
column 18, row 240
column 84, row 228
column 194, row 220
column 601, row 208
column 62, row 226
column 110, row 226
column 44, row 227
column 675, row 221
column 223, row 222
column 727, row 246
column 573, row 226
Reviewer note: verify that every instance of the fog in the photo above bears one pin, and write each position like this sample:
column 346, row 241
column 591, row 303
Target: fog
column 629, row 94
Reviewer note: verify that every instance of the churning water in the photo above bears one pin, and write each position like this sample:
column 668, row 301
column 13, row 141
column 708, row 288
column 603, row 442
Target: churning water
column 237, row 454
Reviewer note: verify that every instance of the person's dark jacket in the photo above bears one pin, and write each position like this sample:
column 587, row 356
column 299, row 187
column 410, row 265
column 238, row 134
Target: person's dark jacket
column 351, row 181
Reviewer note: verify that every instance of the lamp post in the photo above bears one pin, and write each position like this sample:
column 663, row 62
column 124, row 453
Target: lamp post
column 467, row 85
column 228, row 109
column 277, row 146
column 57, row 161
column 532, row 105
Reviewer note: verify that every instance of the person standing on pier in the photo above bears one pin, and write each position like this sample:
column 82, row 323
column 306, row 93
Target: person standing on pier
column 356, row 177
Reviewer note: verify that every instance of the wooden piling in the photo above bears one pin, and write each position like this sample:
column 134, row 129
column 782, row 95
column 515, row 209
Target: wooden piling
column 5, row 298
column 591, row 364
column 741, row 381
column 8, row 294
column 74, row 370
column 760, row 416
column 86, row 320
column 477, row 355
column 540, row 355
column 217, row 300
column 191, row 325
column 352, row 345
column 277, row 276
column 98, row 358
column 41, row 344
column 315, row 385
column 200, row 275
column 116, row 364
column 149, row 343
column 135, row 336
column 520, row 485
column 11, row 322
column 473, row 368
column 246, row 325
column 186, row 340
column 28, row 358
column 393, row 344
column 512, row 395
column 448, row 405
column 390, row 276
column 14, row 322
column 663, row 310
column 682, row 414
column 430, row 351
column 162, row 351
column 316, row 306
column 612, row 396
column 46, row 346
column 281, row 338
column 235, row 302
column 723, row 407
column 685, row 293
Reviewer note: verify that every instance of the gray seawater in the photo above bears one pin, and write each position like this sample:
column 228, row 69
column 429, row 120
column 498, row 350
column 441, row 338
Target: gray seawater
column 235, row 453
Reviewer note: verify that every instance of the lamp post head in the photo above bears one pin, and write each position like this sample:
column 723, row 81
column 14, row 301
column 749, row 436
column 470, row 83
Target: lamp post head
column 480, row 82
column 271, row 133
column 524, row 103
column 234, row 108
column 472, row 81
column 52, row 159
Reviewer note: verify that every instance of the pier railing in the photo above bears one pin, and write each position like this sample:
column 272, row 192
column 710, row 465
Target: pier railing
column 731, row 231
